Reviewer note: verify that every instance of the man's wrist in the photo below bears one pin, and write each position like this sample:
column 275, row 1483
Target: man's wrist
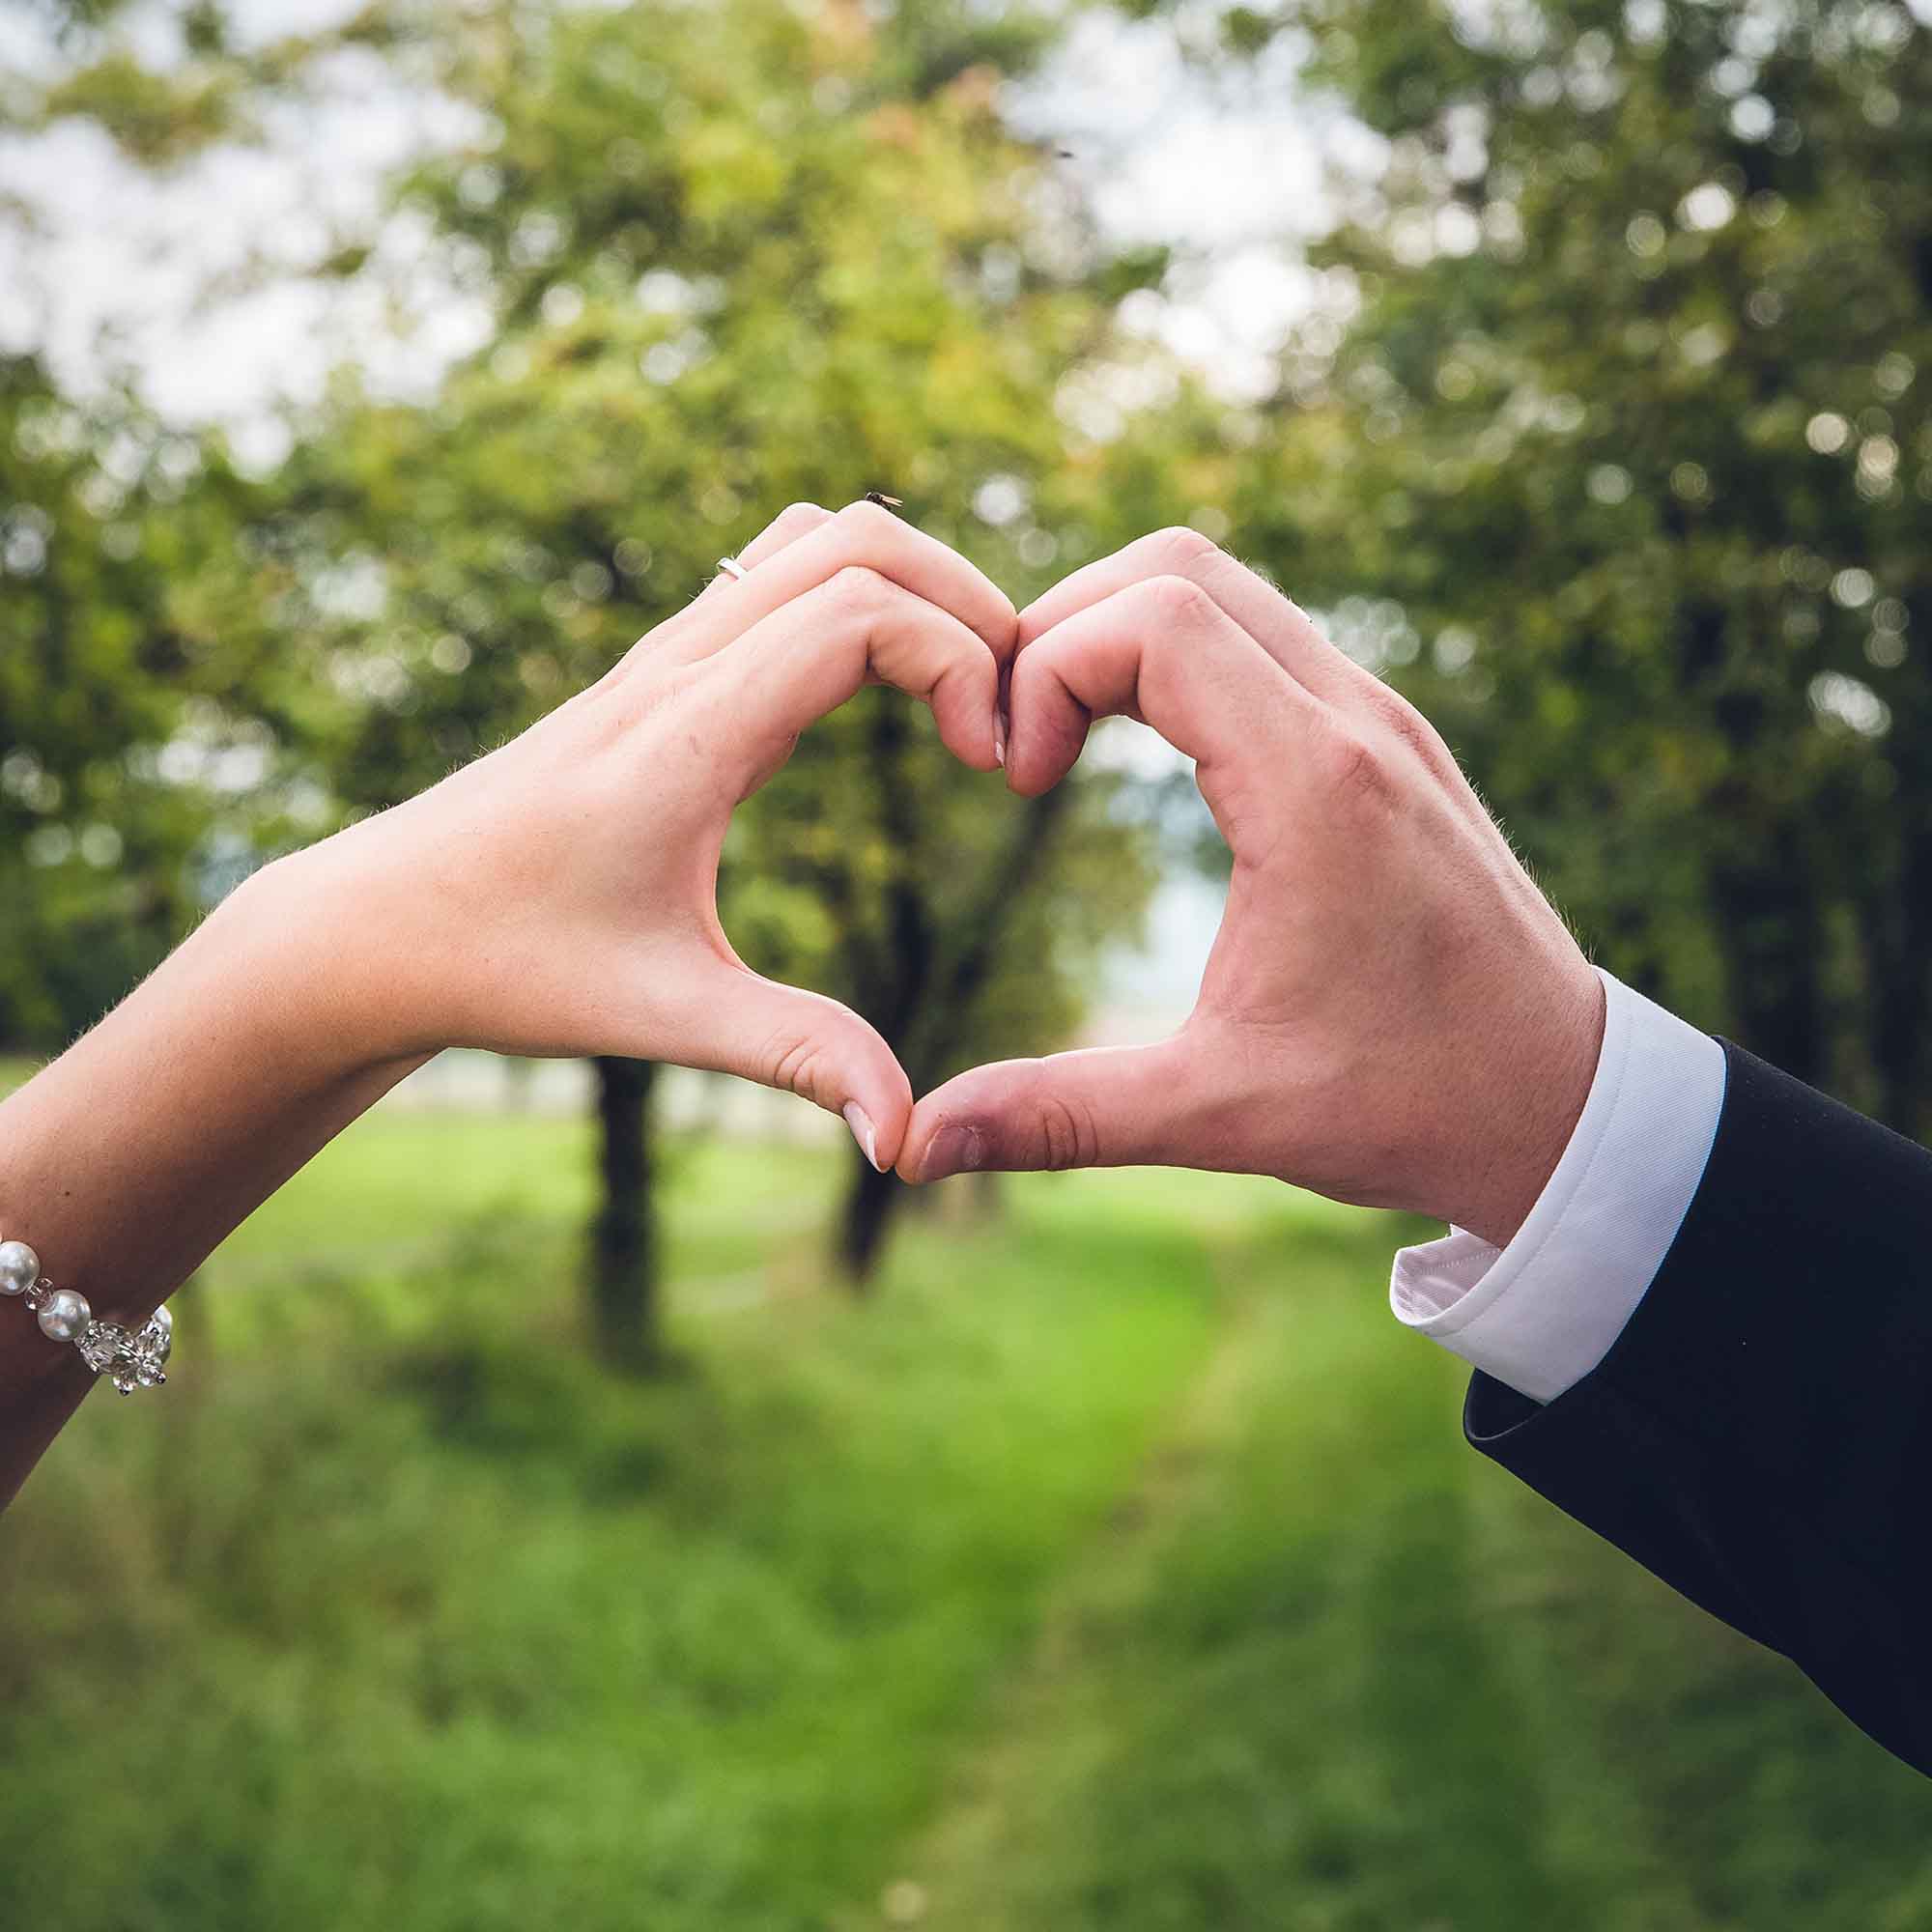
column 1540, row 1313
column 1551, row 1065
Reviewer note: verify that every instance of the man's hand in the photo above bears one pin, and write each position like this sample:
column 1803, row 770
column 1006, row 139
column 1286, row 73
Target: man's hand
column 1392, row 1013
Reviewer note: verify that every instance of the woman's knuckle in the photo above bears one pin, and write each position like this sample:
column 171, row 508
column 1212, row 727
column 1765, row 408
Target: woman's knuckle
column 868, row 521
column 857, row 586
column 796, row 518
column 793, row 1062
column 1177, row 602
column 1184, row 551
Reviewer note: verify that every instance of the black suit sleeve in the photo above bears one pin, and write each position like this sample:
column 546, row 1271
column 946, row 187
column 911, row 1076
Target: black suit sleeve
column 1761, row 1433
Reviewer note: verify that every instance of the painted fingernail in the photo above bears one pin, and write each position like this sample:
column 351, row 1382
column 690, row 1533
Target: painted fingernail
column 998, row 739
column 952, row 1149
column 860, row 1123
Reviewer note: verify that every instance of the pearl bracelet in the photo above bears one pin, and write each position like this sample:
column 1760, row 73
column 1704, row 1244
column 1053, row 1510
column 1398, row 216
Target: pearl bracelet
column 130, row 1360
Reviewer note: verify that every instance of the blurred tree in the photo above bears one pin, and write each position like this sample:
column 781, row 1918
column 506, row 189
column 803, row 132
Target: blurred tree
column 1610, row 442
column 138, row 756
column 718, row 260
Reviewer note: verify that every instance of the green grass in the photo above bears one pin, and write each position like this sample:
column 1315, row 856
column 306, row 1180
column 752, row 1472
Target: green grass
column 1118, row 1565
column 1358, row 1680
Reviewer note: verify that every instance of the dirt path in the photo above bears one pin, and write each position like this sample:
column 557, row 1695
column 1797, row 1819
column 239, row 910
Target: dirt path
column 1020, row 1756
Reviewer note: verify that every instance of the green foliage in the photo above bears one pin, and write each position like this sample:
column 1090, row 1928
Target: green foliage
column 818, row 267
column 1622, row 469
column 157, row 117
column 1358, row 1680
column 185, row 82
column 135, row 774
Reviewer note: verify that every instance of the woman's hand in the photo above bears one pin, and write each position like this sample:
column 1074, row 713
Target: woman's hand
column 560, row 896
column 557, row 896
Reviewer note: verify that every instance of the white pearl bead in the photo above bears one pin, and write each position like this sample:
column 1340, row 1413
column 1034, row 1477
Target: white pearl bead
column 19, row 1268
column 64, row 1315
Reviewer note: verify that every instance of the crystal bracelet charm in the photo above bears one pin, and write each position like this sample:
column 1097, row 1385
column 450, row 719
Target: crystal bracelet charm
column 131, row 1359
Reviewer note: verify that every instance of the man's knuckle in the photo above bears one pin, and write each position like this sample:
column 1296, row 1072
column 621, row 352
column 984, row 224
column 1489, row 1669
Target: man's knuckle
column 1355, row 768
column 1404, row 722
column 1068, row 1136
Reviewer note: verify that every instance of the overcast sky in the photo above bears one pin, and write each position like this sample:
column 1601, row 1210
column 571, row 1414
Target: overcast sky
column 112, row 255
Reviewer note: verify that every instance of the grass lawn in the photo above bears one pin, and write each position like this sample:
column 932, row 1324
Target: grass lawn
column 1116, row 1566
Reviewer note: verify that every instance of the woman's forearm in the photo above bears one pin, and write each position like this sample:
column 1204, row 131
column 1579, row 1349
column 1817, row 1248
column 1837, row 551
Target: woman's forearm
column 125, row 1162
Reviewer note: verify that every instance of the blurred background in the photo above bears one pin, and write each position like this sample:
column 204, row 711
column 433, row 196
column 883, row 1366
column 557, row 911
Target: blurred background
column 592, row 1496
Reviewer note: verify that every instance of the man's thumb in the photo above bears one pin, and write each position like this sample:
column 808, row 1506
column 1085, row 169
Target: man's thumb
column 1100, row 1107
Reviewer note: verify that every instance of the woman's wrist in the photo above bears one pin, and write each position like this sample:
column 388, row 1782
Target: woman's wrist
column 311, row 940
column 262, row 1030
column 131, row 1157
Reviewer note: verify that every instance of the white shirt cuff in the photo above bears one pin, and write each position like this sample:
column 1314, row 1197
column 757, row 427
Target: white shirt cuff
column 1541, row 1313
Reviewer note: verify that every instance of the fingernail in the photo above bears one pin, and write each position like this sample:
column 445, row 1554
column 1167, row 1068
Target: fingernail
column 863, row 1131
column 998, row 739
column 952, row 1149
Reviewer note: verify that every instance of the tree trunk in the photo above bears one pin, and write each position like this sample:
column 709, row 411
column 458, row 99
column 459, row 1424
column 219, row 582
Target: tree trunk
column 1765, row 900
column 937, row 977
column 862, row 1226
column 1899, row 969
column 1772, row 930
column 1898, row 916
column 892, row 992
column 1895, row 923
column 623, row 1235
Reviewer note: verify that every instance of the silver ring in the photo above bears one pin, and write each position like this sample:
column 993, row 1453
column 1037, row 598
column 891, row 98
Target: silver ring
column 732, row 568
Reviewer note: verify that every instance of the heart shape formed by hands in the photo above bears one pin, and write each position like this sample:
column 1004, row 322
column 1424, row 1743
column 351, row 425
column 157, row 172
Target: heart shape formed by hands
column 1384, row 974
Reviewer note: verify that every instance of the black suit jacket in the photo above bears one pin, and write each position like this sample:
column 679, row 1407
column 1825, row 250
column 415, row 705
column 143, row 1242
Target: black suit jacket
column 1761, row 1433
